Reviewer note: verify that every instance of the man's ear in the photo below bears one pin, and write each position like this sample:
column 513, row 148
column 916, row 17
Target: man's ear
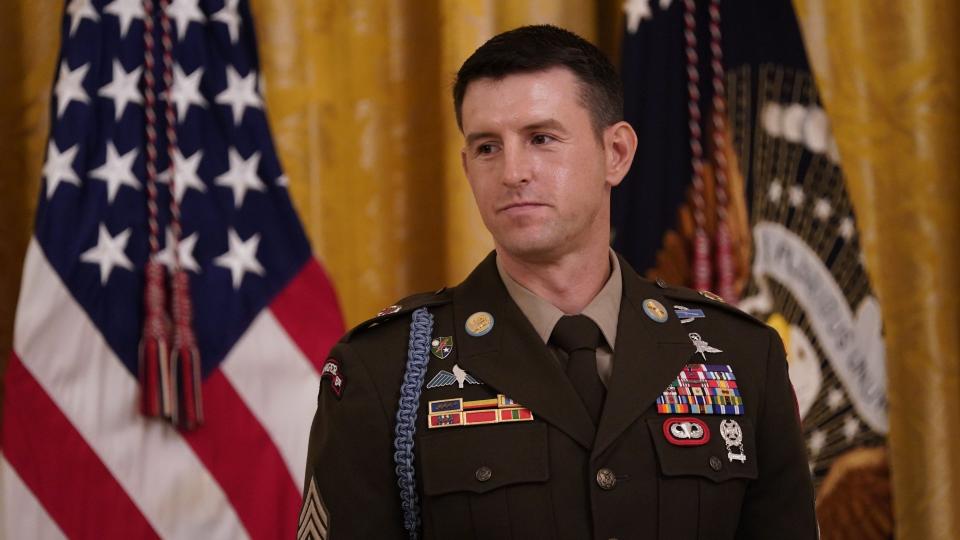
column 620, row 144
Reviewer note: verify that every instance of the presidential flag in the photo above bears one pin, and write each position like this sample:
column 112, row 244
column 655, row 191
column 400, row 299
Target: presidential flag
column 767, row 170
column 160, row 152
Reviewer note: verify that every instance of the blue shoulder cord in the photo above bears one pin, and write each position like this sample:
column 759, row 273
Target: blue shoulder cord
column 418, row 356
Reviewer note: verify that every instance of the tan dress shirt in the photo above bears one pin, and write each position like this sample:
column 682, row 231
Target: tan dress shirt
column 604, row 310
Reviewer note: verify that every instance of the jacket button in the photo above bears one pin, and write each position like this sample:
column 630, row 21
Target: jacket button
column 606, row 479
column 715, row 463
column 661, row 283
column 483, row 473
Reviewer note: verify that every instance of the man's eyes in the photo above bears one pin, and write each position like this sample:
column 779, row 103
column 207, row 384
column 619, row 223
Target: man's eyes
column 488, row 148
column 541, row 138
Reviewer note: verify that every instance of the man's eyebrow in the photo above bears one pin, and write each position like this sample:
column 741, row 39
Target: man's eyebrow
column 550, row 123
column 473, row 137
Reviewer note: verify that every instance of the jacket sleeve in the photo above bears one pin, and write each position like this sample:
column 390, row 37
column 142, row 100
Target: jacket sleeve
column 781, row 501
column 350, row 488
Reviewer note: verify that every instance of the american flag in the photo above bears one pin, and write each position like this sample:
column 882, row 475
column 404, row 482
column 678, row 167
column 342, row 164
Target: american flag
column 79, row 460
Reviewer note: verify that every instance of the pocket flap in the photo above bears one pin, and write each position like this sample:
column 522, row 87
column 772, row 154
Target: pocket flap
column 483, row 458
column 711, row 458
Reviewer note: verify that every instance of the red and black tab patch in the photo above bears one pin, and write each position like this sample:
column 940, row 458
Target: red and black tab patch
column 331, row 370
column 686, row 431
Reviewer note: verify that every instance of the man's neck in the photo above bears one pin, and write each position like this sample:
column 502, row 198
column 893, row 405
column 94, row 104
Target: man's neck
column 569, row 283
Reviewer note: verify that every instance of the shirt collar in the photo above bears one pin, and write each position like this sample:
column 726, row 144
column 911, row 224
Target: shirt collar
column 604, row 309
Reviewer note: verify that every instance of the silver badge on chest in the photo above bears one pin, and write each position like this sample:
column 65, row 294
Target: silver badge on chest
column 733, row 438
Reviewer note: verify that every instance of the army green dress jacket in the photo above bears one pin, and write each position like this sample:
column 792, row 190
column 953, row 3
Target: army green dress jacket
column 504, row 448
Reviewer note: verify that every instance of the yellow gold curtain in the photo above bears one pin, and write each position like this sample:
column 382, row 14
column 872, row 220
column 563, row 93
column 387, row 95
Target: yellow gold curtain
column 888, row 75
column 358, row 97
column 29, row 40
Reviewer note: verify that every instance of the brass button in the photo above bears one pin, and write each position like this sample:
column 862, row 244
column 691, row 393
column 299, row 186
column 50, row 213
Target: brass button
column 606, row 479
column 715, row 463
column 483, row 474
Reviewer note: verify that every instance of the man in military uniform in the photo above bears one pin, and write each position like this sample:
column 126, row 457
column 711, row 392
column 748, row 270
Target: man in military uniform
column 554, row 393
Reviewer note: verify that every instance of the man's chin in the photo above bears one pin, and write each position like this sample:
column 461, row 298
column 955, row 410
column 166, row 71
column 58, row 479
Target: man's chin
column 529, row 248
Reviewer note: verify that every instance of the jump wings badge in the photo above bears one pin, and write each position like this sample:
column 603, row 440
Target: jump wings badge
column 441, row 347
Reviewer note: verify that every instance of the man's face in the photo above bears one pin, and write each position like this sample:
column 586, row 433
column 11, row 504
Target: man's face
column 536, row 166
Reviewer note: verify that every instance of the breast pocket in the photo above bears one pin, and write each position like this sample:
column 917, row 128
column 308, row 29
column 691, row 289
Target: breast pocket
column 705, row 465
column 487, row 482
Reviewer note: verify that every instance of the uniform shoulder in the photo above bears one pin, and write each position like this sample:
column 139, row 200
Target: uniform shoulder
column 704, row 297
column 399, row 308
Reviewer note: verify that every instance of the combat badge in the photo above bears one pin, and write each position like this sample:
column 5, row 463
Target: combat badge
column 687, row 315
column 686, row 431
column 331, row 370
column 445, row 378
column 479, row 324
column 733, row 438
column 655, row 310
column 441, row 347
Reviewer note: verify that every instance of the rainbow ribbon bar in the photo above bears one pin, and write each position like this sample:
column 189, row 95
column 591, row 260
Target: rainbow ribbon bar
column 457, row 412
column 702, row 389
column 703, row 400
column 685, row 408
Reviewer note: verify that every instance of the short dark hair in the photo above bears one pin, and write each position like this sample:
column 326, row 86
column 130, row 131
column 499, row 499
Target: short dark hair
column 535, row 48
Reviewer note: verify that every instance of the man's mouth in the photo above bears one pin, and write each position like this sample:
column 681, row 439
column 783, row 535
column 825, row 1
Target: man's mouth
column 520, row 206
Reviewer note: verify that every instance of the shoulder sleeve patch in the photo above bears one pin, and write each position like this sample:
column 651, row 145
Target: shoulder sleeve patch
column 331, row 372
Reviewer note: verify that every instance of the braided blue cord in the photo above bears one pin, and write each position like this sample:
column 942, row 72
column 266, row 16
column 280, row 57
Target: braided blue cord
column 418, row 355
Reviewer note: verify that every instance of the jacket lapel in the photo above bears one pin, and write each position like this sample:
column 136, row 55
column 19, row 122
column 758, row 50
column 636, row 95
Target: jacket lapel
column 511, row 358
column 648, row 356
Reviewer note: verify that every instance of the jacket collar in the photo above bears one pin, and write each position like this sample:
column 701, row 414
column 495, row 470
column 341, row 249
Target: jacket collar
column 512, row 359
column 649, row 355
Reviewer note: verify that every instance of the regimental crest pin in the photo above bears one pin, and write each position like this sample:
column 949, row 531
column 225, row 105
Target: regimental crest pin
column 441, row 347
column 687, row 315
column 445, row 378
column 712, row 296
column 702, row 346
column 389, row 310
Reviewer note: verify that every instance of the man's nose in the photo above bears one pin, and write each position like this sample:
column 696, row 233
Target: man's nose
column 517, row 168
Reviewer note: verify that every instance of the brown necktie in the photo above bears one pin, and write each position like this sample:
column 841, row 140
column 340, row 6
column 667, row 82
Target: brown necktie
column 579, row 336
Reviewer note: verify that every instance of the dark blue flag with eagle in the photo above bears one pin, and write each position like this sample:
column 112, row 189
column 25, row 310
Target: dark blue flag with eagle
column 737, row 187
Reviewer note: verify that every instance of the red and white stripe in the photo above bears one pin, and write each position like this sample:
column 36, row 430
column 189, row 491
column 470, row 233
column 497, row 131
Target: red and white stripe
column 80, row 461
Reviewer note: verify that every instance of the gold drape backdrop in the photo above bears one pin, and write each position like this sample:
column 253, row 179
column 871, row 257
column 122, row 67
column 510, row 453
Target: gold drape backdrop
column 358, row 97
column 29, row 41
column 888, row 75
